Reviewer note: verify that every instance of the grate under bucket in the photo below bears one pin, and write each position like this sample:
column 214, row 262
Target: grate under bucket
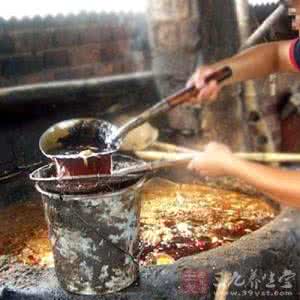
column 47, row 179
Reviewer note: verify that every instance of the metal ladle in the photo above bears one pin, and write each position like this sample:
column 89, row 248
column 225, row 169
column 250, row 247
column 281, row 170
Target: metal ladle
column 168, row 103
column 105, row 138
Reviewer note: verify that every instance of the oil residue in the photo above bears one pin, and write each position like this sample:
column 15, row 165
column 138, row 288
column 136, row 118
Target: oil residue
column 81, row 161
column 24, row 235
column 177, row 220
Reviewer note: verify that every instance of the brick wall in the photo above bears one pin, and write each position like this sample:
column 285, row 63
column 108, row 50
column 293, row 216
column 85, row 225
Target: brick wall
column 61, row 48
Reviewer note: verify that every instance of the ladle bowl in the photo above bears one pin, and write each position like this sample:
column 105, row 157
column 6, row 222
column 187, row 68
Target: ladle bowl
column 67, row 144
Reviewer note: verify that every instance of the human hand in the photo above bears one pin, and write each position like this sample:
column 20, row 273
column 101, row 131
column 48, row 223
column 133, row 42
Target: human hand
column 208, row 92
column 216, row 160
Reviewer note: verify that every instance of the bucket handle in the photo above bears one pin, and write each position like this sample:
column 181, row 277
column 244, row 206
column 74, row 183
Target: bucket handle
column 103, row 237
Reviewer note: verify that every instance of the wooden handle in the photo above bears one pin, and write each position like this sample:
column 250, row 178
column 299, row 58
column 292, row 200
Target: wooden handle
column 168, row 103
column 219, row 75
column 186, row 93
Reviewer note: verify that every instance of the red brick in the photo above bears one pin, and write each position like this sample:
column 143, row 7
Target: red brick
column 14, row 66
column 7, row 44
column 104, row 69
column 65, row 37
column 56, row 58
column 123, row 45
column 90, row 34
column 4, row 82
column 108, row 53
column 100, row 33
column 88, row 54
column 120, row 32
column 86, row 48
column 118, row 67
column 33, row 41
column 31, row 79
column 114, row 50
column 125, row 65
column 75, row 73
column 44, row 76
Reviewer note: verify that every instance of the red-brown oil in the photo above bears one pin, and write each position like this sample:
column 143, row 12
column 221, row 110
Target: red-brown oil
column 177, row 220
column 23, row 233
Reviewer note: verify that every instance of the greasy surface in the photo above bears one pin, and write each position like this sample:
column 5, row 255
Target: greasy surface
column 23, row 234
column 185, row 219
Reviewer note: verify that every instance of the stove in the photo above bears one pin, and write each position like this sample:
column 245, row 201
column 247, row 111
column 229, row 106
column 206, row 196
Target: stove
column 176, row 235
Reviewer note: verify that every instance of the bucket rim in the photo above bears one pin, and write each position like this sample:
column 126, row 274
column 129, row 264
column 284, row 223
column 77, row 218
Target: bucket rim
column 34, row 175
column 78, row 197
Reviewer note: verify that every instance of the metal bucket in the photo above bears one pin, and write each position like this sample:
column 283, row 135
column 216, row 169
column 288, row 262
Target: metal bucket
column 94, row 239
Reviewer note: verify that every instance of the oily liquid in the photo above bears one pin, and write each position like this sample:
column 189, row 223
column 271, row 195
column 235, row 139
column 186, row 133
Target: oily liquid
column 24, row 235
column 177, row 220
column 86, row 134
column 81, row 161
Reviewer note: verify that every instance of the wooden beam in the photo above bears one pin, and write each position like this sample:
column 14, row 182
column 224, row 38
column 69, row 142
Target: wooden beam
column 71, row 88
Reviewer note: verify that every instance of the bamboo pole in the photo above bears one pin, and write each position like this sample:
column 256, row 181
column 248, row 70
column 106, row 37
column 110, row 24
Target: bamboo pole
column 255, row 156
column 159, row 155
column 171, row 147
column 270, row 157
column 265, row 26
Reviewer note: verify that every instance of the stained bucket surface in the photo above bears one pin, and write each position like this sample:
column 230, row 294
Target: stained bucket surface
column 94, row 238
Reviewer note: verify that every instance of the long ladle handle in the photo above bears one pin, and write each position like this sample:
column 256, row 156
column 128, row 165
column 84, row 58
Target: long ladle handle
column 155, row 165
column 170, row 102
column 183, row 158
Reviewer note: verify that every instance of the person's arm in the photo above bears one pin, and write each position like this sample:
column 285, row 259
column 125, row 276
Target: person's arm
column 255, row 62
column 259, row 61
column 281, row 185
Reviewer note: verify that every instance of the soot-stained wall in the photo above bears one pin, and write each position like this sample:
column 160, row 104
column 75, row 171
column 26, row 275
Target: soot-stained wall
column 82, row 46
column 62, row 48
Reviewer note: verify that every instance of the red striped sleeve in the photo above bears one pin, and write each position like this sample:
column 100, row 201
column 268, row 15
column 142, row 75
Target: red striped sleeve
column 292, row 54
